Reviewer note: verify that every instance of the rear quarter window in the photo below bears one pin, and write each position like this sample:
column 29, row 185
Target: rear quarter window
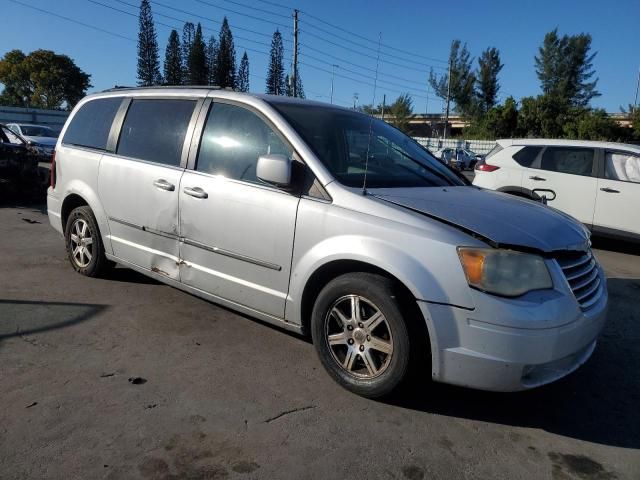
column 91, row 124
column 526, row 156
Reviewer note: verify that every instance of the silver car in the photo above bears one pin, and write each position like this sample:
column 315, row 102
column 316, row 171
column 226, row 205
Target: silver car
column 330, row 223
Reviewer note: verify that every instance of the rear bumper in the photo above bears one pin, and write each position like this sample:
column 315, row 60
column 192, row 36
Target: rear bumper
column 54, row 208
column 470, row 350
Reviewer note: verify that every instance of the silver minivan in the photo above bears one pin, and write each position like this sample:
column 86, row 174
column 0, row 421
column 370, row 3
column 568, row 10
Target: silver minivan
column 331, row 223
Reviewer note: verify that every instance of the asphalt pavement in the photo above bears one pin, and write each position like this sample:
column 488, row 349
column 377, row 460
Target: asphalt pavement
column 125, row 377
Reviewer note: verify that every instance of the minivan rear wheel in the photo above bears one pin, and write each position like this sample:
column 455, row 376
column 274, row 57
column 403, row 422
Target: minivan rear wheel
column 84, row 243
column 360, row 334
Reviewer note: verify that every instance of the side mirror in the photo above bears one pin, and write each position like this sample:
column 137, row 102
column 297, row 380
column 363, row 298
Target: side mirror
column 274, row 169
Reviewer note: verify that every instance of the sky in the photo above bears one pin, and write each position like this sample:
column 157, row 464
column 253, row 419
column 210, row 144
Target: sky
column 343, row 36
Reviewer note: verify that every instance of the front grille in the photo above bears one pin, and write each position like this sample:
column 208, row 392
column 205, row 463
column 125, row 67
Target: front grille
column 582, row 273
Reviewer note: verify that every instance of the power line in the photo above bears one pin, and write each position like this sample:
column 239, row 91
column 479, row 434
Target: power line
column 395, row 55
column 306, row 55
column 244, row 14
column 195, row 15
column 367, row 55
column 369, row 39
column 349, row 62
column 275, row 4
column 72, row 20
column 173, row 27
column 322, row 69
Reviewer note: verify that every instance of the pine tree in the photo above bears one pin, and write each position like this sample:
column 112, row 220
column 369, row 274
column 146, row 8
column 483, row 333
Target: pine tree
column 212, row 55
column 173, row 61
column 226, row 58
column 197, row 61
column 299, row 87
column 489, row 67
column 462, row 79
column 288, row 89
column 148, row 60
column 243, row 74
column 275, row 76
column 564, row 66
column 188, row 32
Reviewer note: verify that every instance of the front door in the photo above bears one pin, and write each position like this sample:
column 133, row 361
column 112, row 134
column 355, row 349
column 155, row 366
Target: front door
column 139, row 184
column 569, row 174
column 236, row 231
column 619, row 194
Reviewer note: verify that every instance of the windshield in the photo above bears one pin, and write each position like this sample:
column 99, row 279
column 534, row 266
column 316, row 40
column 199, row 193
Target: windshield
column 340, row 139
column 37, row 131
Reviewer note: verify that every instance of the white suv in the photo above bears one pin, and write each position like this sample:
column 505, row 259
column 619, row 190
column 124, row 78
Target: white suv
column 598, row 183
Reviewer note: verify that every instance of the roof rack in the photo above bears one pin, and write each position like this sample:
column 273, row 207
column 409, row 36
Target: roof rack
column 118, row 88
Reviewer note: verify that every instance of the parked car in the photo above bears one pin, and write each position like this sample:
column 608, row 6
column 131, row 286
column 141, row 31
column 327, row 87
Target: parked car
column 458, row 158
column 595, row 182
column 276, row 207
column 17, row 163
column 40, row 137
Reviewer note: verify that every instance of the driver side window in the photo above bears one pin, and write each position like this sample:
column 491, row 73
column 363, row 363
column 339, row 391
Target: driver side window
column 232, row 140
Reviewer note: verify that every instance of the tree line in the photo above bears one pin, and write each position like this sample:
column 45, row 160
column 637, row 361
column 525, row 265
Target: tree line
column 193, row 60
column 564, row 67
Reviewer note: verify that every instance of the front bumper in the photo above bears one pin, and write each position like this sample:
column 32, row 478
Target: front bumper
column 474, row 348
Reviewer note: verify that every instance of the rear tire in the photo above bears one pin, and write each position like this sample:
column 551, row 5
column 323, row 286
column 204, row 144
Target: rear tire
column 360, row 334
column 84, row 243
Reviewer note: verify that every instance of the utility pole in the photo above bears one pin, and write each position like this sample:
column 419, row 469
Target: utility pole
column 635, row 102
column 355, row 100
column 294, row 74
column 384, row 101
column 332, row 74
column 446, row 115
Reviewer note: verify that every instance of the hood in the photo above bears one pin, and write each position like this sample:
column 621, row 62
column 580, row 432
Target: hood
column 43, row 141
column 499, row 218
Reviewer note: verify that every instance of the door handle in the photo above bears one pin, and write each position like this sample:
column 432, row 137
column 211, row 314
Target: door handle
column 537, row 178
column 162, row 184
column 609, row 190
column 195, row 192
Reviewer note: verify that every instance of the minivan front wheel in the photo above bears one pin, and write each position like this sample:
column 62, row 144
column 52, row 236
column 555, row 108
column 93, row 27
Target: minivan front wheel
column 360, row 334
column 84, row 243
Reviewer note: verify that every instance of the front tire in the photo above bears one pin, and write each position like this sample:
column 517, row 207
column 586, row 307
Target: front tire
column 360, row 334
column 84, row 243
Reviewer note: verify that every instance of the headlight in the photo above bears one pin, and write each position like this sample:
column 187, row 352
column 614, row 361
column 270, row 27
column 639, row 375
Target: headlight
column 504, row 272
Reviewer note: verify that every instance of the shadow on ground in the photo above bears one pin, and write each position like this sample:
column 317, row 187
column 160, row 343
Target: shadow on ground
column 598, row 403
column 19, row 318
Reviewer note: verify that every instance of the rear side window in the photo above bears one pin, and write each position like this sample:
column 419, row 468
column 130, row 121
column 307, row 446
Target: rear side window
column 154, row 130
column 233, row 139
column 527, row 155
column 622, row 166
column 575, row 161
column 91, row 124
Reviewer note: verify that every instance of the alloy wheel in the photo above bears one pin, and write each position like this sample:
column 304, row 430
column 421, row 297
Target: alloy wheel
column 359, row 336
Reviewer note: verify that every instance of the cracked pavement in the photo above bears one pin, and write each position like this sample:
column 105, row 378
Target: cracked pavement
column 124, row 378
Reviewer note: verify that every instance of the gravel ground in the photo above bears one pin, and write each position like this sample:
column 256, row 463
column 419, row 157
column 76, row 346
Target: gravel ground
column 127, row 378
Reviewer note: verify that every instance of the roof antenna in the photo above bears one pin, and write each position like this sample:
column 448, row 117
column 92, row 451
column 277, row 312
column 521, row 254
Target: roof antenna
column 373, row 104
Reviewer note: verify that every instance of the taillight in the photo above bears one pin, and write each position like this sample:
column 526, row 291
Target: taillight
column 485, row 167
column 52, row 170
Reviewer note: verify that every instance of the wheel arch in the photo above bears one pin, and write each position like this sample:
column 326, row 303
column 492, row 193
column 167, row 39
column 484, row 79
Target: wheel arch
column 78, row 194
column 335, row 268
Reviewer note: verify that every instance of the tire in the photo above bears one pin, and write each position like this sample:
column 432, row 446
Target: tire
column 369, row 353
column 84, row 243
